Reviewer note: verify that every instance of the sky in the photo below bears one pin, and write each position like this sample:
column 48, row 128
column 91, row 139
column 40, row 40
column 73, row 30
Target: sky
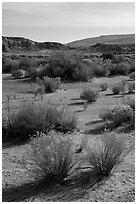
column 66, row 21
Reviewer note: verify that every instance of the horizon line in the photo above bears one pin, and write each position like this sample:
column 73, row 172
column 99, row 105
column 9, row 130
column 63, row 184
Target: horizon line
column 69, row 41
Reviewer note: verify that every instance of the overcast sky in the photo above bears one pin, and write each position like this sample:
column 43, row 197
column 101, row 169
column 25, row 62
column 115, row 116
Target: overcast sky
column 65, row 22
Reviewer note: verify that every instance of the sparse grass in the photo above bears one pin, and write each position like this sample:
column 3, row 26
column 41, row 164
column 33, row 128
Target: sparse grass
column 106, row 155
column 54, row 155
column 103, row 86
column 89, row 95
column 131, row 87
column 30, row 118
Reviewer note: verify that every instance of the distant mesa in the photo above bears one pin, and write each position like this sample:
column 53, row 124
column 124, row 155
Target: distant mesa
column 109, row 43
column 23, row 44
column 104, row 39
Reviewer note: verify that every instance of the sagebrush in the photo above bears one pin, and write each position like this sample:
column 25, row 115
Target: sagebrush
column 106, row 155
column 33, row 117
column 54, row 154
column 89, row 95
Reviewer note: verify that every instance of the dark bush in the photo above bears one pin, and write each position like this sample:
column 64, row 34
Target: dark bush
column 30, row 118
column 89, row 94
column 9, row 65
column 50, row 84
column 107, row 56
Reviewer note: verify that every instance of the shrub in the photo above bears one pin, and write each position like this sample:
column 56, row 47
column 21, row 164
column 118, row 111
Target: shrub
column 19, row 74
column 103, row 86
column 118, row 115
column 107, row 56
column 106, row 155
column 50, row 84
column 62, row 64
column 105, row 114
column 132, row 75
column 122, row 86
column 54, row 155
column 30, row 118
column 122, row 68
column 89, row 94
column 9, row 65
column 131, row 87
column 131, row 103
column 82, row 72
column 116, row 89
column 26, row 63
column 101, row 70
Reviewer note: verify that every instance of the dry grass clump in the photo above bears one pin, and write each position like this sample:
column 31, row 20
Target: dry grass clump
column 118, row 115
column 131, row 103
column 106, row 155
column 50, row 84
column 116, row 89
column 131, row 87
column 89, row 95
column 103, row 86
column 54, row 154
column 30, row 118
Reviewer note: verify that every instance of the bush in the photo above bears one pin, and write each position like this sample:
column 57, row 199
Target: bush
column 101, row 70
column 82, row 72
column 121, row 68
column 103, row 86
column 131, row 103
column 118, row 115
column 26, row 63
column 131, row 87
column 105, row 114
column 116, row 89
column 54, row 155
column 50, row 84
column 62, row 64
column 107, row 56
column 106, row 155
column 9, row 65
column 132, row 75
column 30, row 118
column 89, row 94
column 17, row 74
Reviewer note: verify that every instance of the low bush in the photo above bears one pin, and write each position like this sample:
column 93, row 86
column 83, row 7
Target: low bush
column 105, row 114
column 116, row 89
column 89, row 95
column 131, row 103
column 82, row 72
column 17, row 74
column 106, row 155
column 30, row 118
column 50, row 84
column 131, row 87
column 118, row 115
column 100, row 70
column 54, row 155
column 9, row 65
column 103, row 86
column 132, row 75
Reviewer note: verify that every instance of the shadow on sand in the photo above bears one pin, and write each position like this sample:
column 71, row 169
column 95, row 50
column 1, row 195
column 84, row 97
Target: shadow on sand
column 69, row 190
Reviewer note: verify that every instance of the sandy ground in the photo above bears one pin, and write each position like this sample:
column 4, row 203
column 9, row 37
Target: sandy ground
column 21, row 183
